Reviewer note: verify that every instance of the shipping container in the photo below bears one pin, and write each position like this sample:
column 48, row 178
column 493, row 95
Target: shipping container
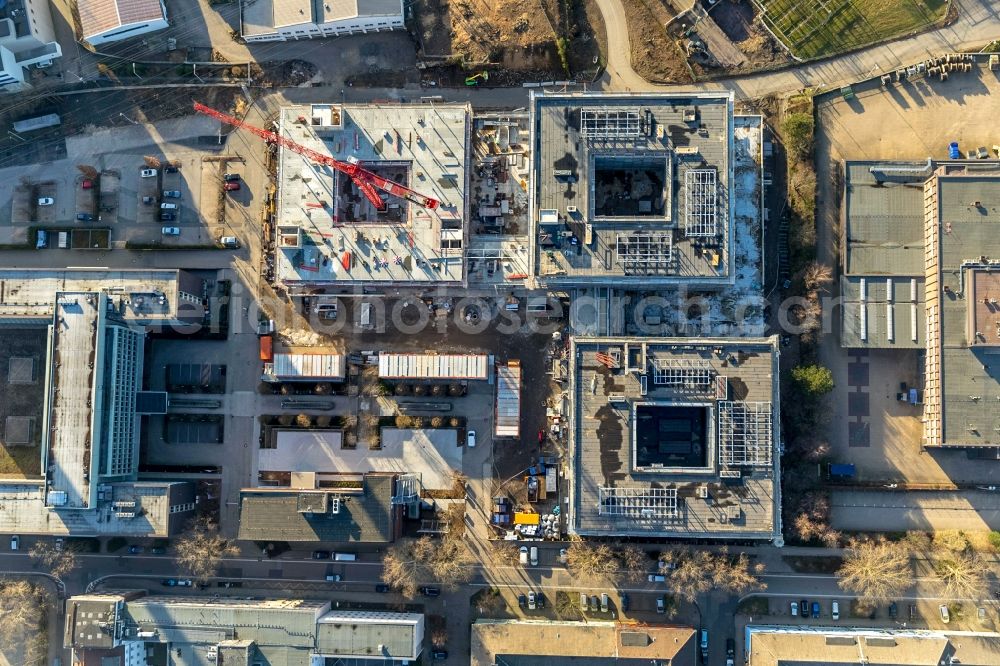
column 266, row 348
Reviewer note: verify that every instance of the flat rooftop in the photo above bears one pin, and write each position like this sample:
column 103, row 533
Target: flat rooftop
column 138, row 295
column 23, row 511
column 963, row 286
column 799, row 646
column 536, row 643
column 675, row 437
column 328, row 233
column 77, row 328
column 632, row 188
column 262, row 17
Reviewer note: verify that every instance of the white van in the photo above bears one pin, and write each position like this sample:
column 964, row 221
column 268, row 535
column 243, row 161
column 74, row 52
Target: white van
column 344, row 557
column 229, row 241
column 534, row 556
column 15, row 542
column 168, row 206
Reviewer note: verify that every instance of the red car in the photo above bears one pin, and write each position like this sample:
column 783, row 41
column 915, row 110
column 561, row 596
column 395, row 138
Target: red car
column 229, row 187
column 87, row 184
column 541, row 435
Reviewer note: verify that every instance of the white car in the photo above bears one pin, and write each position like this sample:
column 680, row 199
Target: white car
column 532, row 601
column 171, row 231
column 148, row 173
column 46, row 201
column 470, row 440
column 563, row 556
column 795, row 609
column 523, row 554
column 945, row 615
column 186, row 582
column 835, row 610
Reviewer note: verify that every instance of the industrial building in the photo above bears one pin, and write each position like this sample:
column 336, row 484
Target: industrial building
column 106, row 21
column 632, row 190
column 922, row 272
column 328, row 232
column 674, row 437
column 27, row 39
column 282, row 20
column 131, row 627
column 90, row 368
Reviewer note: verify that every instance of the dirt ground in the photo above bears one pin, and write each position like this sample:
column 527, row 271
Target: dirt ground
column 514, row 34
column 655, row 56
column 738, row 22
column 23, row 398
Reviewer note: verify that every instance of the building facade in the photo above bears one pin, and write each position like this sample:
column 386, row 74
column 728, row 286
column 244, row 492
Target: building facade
column 27, row 39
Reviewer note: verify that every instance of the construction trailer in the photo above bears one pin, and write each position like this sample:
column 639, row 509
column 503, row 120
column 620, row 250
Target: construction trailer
column 507, row 419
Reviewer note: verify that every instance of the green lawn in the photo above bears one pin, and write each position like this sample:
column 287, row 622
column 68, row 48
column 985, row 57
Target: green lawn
column 820, row 28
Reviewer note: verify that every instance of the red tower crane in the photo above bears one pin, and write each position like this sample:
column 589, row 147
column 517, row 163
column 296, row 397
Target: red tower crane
column 368, row 182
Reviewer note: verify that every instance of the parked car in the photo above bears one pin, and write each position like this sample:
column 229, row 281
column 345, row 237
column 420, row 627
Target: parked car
column 945, row 615
column 563, row 556
column 540, row 599
column 333, row 578
column 532, row 602
column 170, row 169
column 148, row 201
column 730, row 647
column 804, row 607
column 168, row 206
column 382, row 588
column 522, row 600
column 982, row 153
column 84, row 217
column 229, row 583
column 430, row 591
column 815, row 608
column 657, row 578
column 795, row 608
column 184, row 582
column 230, row 177
column 321, row 555
column 169, row 582
column 46, row 201
column 913, row 612
column 661, row 606
column 605, row 606
column 440, row 655
column 229, row 241
column 172, row 194
column 168, row 217
column 148, row 173
column 522, row 555
column 157, row 550
column 60, row 544
column 584, row 605
column 893, row 610
column 136, row 550
column 42, row 240
column 835, row 610
column 595, row 603
column 625, row 603
column 703, row 644
column 534, row 556
column 470, row 439
column 170, row 231
column 15, row 542
column 229, row 187
column 86, row 184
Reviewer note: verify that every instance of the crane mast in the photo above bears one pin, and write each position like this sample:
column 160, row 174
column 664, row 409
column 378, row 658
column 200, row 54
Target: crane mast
column 367, row 181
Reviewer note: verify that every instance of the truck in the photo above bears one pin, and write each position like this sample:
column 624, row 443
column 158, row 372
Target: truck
column 266, row 348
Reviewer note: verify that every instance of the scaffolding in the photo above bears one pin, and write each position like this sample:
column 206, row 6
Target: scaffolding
column 682, row 373
column 610, row 123
column 645, row 254
column 700, row 204
column 637, row 502
column 745, row 434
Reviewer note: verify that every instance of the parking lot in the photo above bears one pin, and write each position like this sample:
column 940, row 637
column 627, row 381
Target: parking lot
column 909, row 120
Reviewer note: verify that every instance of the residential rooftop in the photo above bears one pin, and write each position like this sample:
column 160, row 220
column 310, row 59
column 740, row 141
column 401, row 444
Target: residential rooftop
column 798, row 645
column 632, row 189
column 330, row 235
column 538, row 643
column 675, row 437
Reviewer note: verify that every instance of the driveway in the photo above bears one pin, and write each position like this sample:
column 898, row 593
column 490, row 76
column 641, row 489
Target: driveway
column 978, row 23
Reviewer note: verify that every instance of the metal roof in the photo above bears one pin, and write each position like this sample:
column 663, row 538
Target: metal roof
column 507, row 420
column 309, row 366
column 433, row 366
column 884, row 219
column 100, row 16
column 882, row 312
column 370, row 634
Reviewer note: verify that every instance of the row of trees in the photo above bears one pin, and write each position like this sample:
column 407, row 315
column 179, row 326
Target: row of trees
column 877, row 570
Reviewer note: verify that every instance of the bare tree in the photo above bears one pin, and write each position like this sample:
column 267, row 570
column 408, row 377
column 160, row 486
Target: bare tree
column 58, row 562
column 505, row 553
column 950, row 541
column 694, row 573
column 736, row 575
column 632, row 563
column 303, row 421
column 23, row 607
column 816, row 276
column 876, row 570
column 410, row 562
column 88, row 171
column 201, row 550
column 590, row 561
column 963, row 574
